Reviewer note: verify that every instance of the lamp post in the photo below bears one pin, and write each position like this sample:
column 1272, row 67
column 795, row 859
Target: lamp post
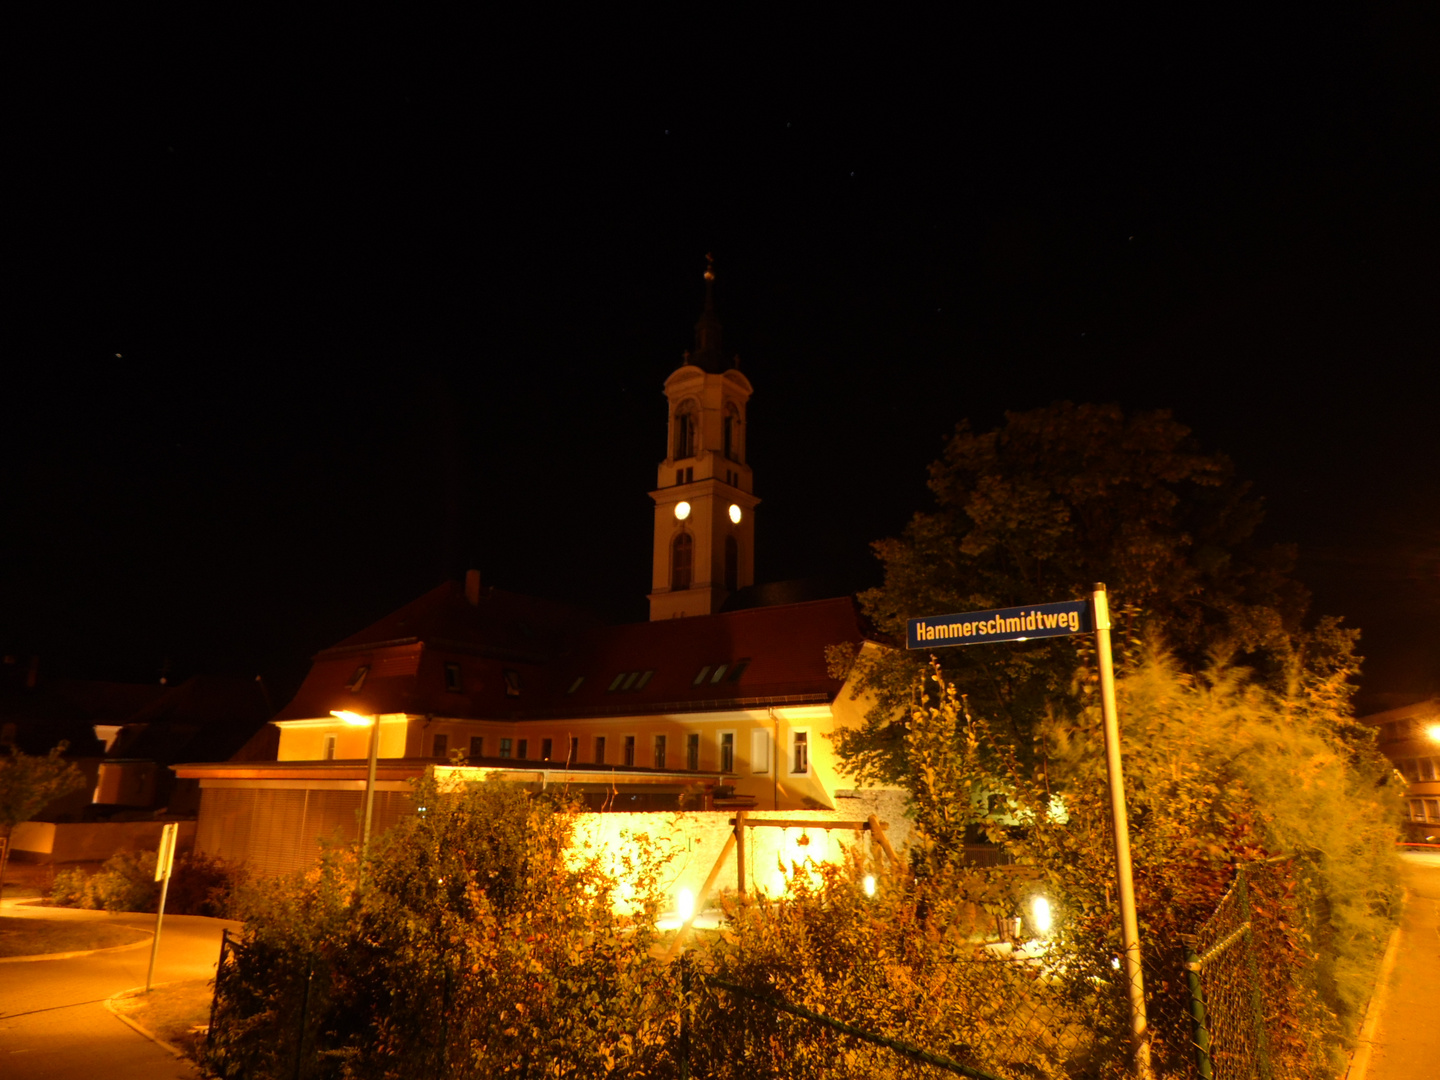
column 356, row 720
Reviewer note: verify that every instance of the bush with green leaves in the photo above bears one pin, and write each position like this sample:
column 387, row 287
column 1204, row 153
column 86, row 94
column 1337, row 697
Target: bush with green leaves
column 199, row 885
column 477, row 944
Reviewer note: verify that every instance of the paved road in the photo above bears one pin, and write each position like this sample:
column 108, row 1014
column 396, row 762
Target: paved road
column 1407, row 1039
column 53, row 1020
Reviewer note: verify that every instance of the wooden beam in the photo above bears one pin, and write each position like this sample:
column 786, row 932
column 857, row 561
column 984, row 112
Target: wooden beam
column 799, row 823
column 684, row 931
column 739, row 837
column 877, row 830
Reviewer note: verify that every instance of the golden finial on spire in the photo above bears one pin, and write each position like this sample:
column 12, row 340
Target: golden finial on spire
column 709, row 267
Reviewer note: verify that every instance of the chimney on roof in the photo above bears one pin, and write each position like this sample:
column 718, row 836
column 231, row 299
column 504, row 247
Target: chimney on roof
column 472, row 586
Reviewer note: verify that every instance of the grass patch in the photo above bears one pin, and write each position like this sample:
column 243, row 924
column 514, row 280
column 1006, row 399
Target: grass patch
column 36, row 937
column 173, row 1012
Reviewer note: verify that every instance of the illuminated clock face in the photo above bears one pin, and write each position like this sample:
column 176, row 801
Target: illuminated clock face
column 682, row 511
column 735, row 513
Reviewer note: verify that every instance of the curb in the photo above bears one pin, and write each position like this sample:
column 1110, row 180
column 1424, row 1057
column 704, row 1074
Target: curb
column 140, row 1028
column 1360, row 1060
column 81, row 952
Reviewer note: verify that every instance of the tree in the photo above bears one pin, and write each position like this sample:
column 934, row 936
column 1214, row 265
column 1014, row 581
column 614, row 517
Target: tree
column 1039, row 510
column 28, row 783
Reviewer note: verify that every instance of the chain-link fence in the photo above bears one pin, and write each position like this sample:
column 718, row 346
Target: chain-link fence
column 1230, row 970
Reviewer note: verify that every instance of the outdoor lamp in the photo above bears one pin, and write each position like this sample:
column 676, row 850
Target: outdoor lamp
column 735, row 513
column 682, row 511
column 356, row 720
column 685, row 903
column 1434, row 732
column 868, row 884
column 1040, row 915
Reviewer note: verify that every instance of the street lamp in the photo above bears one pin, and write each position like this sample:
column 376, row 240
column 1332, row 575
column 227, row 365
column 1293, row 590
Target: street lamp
column 356, row 720
column 1434, row 732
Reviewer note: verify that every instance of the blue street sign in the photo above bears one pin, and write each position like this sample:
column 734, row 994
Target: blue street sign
column 1001, row 624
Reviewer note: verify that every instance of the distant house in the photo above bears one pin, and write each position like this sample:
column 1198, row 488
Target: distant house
column 1410, row 738
column 722, row 700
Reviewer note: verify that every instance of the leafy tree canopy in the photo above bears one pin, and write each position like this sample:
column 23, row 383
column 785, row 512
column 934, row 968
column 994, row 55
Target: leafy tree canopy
column 1041, row 509
column 29, row 782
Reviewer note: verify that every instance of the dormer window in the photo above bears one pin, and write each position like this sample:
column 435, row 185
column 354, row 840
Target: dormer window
column 512, row 682
column 452, row 678
column 358, row 679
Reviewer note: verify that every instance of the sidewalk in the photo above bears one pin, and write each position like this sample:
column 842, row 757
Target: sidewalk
column 1405, row 1044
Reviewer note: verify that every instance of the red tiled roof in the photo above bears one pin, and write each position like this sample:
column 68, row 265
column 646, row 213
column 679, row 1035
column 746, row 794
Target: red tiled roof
column 548, row 646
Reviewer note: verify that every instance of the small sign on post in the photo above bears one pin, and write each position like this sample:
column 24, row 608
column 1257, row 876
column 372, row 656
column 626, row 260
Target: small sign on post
column 1068, row 617
column 164, row 865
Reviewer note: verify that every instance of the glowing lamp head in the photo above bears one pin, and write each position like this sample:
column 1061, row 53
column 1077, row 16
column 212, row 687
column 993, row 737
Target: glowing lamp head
column 685, row 903
column 354, row 719
column 1434, row 732
column 735, row 513
column 868, row 884
column 1040, row 915
column 682, row 511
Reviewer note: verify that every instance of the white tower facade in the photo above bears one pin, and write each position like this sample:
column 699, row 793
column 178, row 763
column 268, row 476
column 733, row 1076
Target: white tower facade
column 705, row 500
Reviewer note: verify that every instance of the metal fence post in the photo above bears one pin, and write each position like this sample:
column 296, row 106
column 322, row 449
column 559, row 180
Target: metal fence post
column 684, row 1016
column 304, row 1019
column 1257, row 1005
column 1197, row 1013
column 219, row 977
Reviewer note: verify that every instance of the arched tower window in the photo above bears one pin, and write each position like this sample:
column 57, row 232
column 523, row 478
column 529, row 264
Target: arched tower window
column 682, row 557
column 687, row 425
column 732, row 432
column 732, row 564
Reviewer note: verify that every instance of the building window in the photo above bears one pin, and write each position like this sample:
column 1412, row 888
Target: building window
column 1432, row 809
column 599, row 749
column 512, row 682
column 731, row 432
column 504, row 748
column 701, row 677
column 686, row 425
column 727, row 751
column 1427, row 768
column 452, row 678
column 719, row 674
column 545, row 748
column 358, row 679
column 759, row 751
column 438, row 745
column 732, row 563
column 576, row 684
column 630, row 751
column 692, row 752
column 682, row 555
column 659, row 751
column 574, row 756
column 328, row 754
column 801, row 755
column 477, row 746
column 523, row 750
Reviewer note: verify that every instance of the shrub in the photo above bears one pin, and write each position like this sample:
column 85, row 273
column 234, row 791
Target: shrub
column 199, row 885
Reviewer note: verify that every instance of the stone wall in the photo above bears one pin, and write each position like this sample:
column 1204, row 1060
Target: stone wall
column 687, row 844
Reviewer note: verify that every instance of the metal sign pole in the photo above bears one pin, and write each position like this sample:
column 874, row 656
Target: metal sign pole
column 164, row 863
column 1129, row 924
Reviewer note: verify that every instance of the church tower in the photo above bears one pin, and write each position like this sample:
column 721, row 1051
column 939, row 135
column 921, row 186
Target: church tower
column 705, row 502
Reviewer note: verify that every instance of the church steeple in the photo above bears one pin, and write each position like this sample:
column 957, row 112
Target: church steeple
column 708, row 355
column 704, row 505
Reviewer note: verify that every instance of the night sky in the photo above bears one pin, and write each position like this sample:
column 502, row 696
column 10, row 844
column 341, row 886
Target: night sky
column 305, row 320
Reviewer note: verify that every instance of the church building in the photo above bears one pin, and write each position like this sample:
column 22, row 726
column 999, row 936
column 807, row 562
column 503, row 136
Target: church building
column 718, row 702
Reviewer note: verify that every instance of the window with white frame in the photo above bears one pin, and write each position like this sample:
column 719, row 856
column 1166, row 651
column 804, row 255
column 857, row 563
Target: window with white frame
column 727, row 751
column 799, row 752
column 328, row 753
column 692, row 751
column 659, row 751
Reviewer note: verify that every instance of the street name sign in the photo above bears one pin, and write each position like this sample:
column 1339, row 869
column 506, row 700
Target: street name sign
column 1001, row 624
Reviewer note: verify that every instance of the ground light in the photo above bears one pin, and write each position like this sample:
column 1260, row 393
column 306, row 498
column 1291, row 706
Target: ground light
column 868, row 884
column 1040, row 915
column 685, row 904
column 1434, row 732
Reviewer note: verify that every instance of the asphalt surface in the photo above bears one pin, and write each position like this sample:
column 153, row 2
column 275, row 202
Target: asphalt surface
column 53, row 1020
column 1407, row 1039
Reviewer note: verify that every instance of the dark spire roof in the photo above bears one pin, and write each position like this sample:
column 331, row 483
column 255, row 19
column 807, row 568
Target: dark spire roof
column 708, row 354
